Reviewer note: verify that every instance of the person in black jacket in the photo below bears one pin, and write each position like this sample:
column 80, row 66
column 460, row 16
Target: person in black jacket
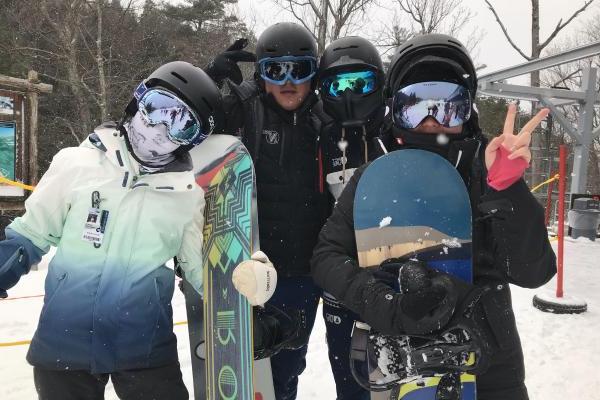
column 510, row 242
column 351, row 80
column 275, row 118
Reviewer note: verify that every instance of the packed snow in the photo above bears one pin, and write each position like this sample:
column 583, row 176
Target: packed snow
column 561, row 351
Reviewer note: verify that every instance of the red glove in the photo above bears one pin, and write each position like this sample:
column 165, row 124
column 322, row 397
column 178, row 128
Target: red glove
column 504, row 172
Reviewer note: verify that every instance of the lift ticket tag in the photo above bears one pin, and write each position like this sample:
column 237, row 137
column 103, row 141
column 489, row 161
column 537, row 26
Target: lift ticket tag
column 93, row 230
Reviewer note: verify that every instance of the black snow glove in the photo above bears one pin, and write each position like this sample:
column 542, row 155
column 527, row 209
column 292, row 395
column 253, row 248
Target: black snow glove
column 425, row 299
column 275, row 330
column 225, row 64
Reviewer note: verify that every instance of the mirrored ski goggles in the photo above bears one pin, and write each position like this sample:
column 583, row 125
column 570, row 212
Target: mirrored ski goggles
column 448, row 103
column 296, row 69
column 158, row 106
column 361, row 82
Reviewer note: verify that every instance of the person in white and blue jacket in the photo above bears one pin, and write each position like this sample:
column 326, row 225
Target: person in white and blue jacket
column 117, row 208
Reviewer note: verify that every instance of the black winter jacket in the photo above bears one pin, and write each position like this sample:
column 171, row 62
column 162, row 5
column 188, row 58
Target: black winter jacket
column 363, row 145
column 285, row 146
column 510, row 245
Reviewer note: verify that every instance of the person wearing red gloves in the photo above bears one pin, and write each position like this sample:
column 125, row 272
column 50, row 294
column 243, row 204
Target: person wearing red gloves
column 510, row 241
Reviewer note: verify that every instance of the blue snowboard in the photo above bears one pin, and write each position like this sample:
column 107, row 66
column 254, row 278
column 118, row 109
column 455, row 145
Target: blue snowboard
column 413, row 204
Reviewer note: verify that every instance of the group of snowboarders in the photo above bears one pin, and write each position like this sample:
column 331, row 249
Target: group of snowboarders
column 312, row 123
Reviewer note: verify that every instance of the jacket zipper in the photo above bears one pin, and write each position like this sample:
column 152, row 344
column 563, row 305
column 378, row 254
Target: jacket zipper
column 320, row 161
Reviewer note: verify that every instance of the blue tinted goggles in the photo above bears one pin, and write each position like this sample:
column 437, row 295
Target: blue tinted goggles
column 296, row 69
column 159, row 106
column 360, row 82
column 448, row 103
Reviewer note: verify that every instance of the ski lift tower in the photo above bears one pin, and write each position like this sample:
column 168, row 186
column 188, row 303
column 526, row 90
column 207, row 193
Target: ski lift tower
column 583, row 132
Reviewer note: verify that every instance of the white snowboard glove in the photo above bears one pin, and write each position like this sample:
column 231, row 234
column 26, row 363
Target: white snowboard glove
column 255, row 278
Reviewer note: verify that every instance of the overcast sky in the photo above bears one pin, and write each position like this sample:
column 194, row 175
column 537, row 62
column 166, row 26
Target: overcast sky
column 493, row 50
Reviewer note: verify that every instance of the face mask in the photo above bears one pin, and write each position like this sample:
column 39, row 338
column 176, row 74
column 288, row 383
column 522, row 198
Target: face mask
column 150, row 144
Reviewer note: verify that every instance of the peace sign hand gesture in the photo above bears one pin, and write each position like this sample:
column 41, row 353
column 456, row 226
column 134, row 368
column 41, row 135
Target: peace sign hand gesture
column 508, row 155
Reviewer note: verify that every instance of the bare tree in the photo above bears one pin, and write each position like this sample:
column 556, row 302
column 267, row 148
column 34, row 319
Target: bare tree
column 94, row 52
column 67, row 30
column 431, row 15
column 326, row 19
column 393, row 35
column 103, row 89
column 417, row 17
column 536, row 45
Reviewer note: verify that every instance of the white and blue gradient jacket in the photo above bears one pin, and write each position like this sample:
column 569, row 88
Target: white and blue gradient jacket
column 109, row 308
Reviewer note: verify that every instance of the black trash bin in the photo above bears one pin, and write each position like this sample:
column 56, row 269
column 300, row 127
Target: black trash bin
column 584, row 218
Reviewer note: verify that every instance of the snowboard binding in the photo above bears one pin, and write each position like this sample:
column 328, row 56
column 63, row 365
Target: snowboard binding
column 383, row 362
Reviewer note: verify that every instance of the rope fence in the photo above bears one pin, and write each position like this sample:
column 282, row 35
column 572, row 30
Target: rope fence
column 547, row 181
column 15, row 183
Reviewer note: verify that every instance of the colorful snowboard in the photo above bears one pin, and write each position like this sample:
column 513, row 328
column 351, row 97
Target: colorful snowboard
column 220, row 328
column 413, row 204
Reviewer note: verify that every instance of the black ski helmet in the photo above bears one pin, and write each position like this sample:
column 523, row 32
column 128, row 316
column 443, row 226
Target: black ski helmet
column 285, row 39
column 431, row 57
column 434, row 48
column 352, row 53
column 193, row 86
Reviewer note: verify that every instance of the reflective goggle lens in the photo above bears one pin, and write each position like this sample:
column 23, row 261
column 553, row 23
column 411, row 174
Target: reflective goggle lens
column 448, row 103
column 281, row 69
column 362, row 82
column 161, row 107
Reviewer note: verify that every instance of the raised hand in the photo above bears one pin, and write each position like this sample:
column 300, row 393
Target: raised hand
column 225, row 64
column 507, row 156
column 516, row 145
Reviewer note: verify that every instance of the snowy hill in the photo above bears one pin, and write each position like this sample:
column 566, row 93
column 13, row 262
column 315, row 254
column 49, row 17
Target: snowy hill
column 558, row 348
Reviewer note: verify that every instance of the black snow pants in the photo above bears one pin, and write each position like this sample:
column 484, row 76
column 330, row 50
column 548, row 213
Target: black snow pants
column 141, row 384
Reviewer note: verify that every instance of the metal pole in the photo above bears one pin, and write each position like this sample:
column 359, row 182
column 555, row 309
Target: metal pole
column 561, row 218
column 588, row 50
column 581, row 153
column 561, row 304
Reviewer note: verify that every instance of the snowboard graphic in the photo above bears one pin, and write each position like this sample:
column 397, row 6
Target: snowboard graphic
column 412, row 204
column 220, row 328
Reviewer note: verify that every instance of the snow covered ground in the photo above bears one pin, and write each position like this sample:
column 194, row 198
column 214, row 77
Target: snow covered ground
column 561, row 351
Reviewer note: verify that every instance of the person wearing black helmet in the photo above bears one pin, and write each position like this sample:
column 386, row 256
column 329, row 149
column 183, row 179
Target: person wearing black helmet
column 274, row 115
column 118, row 207
column 351, row 81
column 510, row 242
